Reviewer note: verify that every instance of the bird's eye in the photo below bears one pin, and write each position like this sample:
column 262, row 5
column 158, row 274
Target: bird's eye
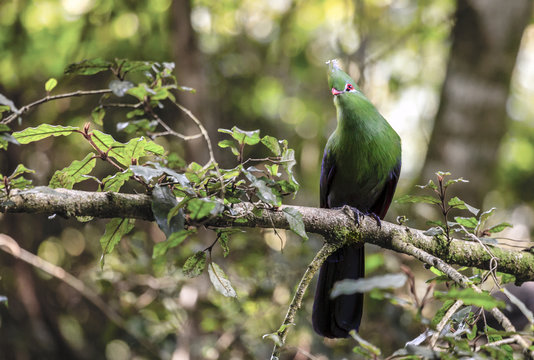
column 349, row 87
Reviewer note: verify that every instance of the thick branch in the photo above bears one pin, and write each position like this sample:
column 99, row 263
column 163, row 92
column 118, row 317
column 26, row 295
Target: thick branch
column 334, row 225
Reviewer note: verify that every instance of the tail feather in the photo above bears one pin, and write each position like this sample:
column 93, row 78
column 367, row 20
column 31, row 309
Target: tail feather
column 334, row 318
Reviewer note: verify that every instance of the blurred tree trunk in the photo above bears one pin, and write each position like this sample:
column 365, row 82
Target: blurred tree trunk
column 471, row 119
column 191, row 72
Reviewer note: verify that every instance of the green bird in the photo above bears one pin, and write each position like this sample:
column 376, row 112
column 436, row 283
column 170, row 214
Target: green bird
column 360, row 169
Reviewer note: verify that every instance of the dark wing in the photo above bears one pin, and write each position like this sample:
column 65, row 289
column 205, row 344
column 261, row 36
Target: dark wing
column 381, row 206
column 328, row 170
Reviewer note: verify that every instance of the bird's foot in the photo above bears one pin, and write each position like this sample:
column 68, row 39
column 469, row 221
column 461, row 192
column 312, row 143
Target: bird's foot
column 358, row 215
column 352, row 211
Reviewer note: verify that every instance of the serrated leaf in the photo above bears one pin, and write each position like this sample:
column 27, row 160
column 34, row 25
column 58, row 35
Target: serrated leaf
column 115, row 229
column 499, row 227
column 98, row 114
column 172, row 241
column 163, row 201
column 119, row 88
column 195, row 264
column 427, row 199
column 296, row 224
column 114, row 182
column 350, row 286
column 468, row 222
column 74, row 173
column 43, row 131
column 50, row 84
column 471, row 297
column 220, row 281
column 88, row 67
column 272, row 144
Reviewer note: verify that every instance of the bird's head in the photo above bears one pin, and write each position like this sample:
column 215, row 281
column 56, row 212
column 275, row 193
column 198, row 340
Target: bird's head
column 339, row 81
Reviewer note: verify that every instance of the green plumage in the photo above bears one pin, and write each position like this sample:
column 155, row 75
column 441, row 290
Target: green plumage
column 361, row 166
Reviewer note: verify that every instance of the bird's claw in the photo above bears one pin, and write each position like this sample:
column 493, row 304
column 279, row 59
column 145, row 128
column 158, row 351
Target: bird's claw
column 358, row 215
column 352, row 211
column 377, row 219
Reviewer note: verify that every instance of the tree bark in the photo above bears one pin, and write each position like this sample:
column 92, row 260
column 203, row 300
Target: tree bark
column 334, row 225
column 471, row 119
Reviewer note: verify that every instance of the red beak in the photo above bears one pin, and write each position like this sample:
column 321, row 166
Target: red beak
column 336, row 92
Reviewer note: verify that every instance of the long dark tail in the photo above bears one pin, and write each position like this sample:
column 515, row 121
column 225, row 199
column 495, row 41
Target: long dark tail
column 334, row 318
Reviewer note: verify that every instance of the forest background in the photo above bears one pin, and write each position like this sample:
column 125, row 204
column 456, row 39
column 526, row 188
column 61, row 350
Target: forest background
column 453, row 78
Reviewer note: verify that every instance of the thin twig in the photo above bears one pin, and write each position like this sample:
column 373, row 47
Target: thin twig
column 296, row 303
column 439, row 328
column 25, row 108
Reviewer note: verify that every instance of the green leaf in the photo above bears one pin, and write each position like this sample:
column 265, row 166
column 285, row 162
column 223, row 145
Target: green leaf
column 114, row 182
column 365, row 344
column 74, row 173
column 471, row 297
column 163, row 201
column 224, row 237
column 288, row 162
column 201, row 208
column 499, row 227
column 460, row 204
column 229, row 144
column 19, row 170
column 88, row 67
column 427, row 199
column 4, row 108
column 441, row 312
column 98, row 114
column 140, row 91
column 115, row 230
column 50, row 84
column 468, row 222
column 137, row 126
column 127, row 66
column 220, row 281
column 195, row 264
column 272, row 144
column 350, row 286
column 429, row 185
column 454, row 181
column 437, row 271
column 242, row 136
column 294, row 218
column 172, row 241
column 43, row 131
